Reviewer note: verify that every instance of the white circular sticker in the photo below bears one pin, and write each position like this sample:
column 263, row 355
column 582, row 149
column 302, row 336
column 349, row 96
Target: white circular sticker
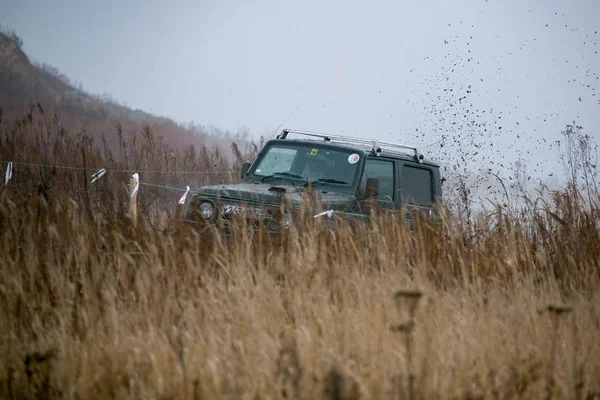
column 353, row 158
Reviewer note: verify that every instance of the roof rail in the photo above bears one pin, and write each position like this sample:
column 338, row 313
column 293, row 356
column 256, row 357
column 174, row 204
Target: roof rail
column 376, row 145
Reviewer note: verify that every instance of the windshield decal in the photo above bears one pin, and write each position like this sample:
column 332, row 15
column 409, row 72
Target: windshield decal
column 353, row 158
column 313, row 152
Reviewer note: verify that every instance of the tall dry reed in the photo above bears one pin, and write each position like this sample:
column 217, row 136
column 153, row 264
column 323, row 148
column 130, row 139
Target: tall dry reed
column 96, row 307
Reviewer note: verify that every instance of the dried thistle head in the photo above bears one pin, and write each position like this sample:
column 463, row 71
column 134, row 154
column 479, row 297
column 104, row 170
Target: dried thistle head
column 407, row 300
column 404, row 328
column 558, row 309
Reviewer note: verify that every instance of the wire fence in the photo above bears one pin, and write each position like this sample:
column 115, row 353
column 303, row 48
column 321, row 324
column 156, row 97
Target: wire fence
column 114, row 170
column 100, row 178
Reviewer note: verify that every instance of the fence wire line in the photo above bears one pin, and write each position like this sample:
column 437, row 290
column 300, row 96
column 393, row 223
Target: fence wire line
column 117, row 170
column 124, row 170
column 162, row 186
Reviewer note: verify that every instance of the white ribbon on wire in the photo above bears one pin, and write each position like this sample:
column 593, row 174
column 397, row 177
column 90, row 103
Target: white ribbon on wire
column 329, row 214
column 136, row 176
column 182, row 199
column 97, row 175
column 8, row 175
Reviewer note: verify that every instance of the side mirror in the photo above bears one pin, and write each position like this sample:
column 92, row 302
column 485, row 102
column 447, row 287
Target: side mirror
column 372, row 188
column 245, row 168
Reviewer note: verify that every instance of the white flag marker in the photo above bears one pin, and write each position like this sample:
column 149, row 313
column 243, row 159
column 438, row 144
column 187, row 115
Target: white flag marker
column 8, row 173
column 97, row 175
column 182, row 199
column 135, row 177
column 329, row 214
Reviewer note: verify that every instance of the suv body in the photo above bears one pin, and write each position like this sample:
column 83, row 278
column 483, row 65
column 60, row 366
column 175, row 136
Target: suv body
column 347, row 173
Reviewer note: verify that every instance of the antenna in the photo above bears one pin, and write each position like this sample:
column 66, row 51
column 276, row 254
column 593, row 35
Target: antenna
column 284, row 121
column 292, row 113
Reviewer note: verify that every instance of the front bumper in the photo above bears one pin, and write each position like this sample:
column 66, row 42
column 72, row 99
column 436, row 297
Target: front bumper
column 229, row 216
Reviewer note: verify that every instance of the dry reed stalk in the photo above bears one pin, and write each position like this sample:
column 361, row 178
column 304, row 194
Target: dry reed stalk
column 406, row 304
column 106, row 295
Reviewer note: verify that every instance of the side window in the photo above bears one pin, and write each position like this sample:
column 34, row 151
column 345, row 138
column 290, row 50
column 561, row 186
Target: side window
column 416, row 186
column 384, row 171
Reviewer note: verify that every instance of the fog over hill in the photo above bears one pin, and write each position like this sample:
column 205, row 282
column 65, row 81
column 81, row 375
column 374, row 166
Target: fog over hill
column 26, row 84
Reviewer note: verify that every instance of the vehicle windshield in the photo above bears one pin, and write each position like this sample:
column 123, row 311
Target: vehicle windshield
column 308, row 163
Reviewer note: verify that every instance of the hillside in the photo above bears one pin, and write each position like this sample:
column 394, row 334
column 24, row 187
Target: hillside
column 25, row 84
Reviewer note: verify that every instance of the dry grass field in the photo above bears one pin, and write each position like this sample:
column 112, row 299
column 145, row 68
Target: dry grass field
column 503, row 305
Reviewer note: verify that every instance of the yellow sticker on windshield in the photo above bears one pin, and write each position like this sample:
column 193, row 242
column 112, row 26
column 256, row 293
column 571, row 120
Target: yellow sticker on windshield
column 313, row 152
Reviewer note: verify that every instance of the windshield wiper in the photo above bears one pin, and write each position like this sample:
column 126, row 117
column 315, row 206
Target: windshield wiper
column 325, row 180
column 264, row 178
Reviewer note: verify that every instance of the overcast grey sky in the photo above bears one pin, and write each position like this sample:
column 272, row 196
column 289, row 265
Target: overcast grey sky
column 504, row 75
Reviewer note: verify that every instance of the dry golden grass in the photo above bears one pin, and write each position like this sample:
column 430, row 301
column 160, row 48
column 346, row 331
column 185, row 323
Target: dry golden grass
column 95, row 307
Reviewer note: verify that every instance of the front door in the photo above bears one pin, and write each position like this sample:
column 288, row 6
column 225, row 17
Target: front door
column 384, row 170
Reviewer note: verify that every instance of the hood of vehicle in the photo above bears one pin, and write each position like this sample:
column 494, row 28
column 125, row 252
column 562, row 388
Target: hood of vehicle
column 266, row 194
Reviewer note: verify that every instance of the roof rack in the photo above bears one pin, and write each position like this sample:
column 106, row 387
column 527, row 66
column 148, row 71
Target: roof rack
column 376, row 145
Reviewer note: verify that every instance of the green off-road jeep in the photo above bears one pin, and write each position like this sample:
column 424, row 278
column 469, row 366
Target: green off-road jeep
column 349, row 175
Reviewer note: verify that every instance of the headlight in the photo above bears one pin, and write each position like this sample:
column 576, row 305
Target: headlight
column 207, row 210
